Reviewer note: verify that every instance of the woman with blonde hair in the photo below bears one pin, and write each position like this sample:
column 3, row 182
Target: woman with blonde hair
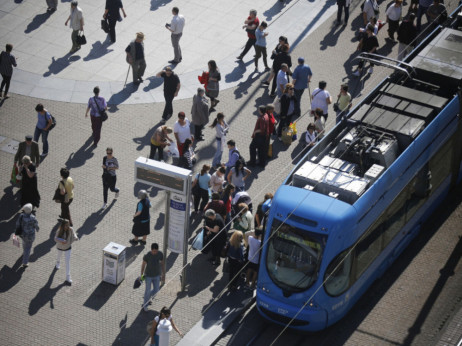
column 159, row 141
column 287, row 108
column 235, row 258
column 64, row 237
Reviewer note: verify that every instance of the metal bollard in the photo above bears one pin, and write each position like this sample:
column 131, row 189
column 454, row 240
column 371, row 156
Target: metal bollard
column 164, row 328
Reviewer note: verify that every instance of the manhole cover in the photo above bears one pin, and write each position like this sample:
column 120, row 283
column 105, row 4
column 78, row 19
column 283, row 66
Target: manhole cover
column 11, row 147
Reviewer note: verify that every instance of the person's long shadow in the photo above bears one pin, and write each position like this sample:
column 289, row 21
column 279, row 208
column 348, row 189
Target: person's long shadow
column 135, row 334
column 121, row 96
column 156, row 4
column 299, row 151
column 242, row 87
column 154, row 82
column 78, row 158
column 38, row 20
column 8, row 207
column 277, row 7
column 45, row 247
column 90, row 223
column 9, row 277
column 98, row 49
column 332, row 36
column 238, row 72
column 203, row 273
column 45, row 295
column 146, row 139
column 57, row 65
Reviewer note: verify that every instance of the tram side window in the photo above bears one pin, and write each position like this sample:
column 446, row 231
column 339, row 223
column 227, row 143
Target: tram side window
column 337, row 277
column 395, row 216
column 440, row 163
column 368, row 249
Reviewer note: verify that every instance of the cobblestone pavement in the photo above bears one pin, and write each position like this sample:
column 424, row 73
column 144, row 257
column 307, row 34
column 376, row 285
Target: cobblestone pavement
column 36, row 307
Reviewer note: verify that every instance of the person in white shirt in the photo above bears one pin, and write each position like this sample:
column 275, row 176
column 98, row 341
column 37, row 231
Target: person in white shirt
column 282, row 79
column 370, row 9
column 321, row 98
column 76, row 18
column 176, row 28
column 393, row 17
column 182, row 131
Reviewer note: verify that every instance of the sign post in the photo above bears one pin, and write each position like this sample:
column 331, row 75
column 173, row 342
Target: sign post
column 176, row 182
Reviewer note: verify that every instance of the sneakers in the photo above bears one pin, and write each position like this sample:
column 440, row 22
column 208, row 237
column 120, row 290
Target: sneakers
column 266, row 83
column 57, row 266
column 133, row 241
column 239, row 57
column 116, row 195
column 371, row 70
column 356, row 73
column 68, row 282
column 104, row 206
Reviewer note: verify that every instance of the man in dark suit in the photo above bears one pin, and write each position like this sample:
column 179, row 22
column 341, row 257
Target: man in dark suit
column 29, row 148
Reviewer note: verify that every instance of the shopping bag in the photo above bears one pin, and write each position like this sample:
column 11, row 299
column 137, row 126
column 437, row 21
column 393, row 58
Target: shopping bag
column 293, row 126
column 16, row 241
column 81, row 39
column 14, row 174
column 287, row 136
column 277, row 105
column 198, row 242
column 270, row 150
column 173, row 150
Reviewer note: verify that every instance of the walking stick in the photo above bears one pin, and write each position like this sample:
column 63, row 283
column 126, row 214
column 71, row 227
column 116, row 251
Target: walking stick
column 127, row 75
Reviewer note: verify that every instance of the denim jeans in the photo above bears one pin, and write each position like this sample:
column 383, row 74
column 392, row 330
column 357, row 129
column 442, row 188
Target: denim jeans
column 40, row 132
column 148, row 293
column 218, row 154
column 27, row 246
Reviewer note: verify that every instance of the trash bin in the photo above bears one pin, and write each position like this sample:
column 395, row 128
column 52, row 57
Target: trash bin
column 114, row 263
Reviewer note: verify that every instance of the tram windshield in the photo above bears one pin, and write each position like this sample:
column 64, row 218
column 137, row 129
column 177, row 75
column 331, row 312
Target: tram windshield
column 294, row 256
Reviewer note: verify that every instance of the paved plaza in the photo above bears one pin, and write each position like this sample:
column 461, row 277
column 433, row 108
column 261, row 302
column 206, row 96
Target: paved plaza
column 36, row 307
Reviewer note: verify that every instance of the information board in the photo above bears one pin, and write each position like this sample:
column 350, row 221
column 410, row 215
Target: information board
column 176, row 225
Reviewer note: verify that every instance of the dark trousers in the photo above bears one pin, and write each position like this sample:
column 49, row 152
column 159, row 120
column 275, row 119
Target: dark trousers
column 273, row 85
column 298, row 98
column 258, row 144
column 203, row 198
column 96, row 124
column 198, row 131
column 65, row 212
column 5, row 83
column 152, row 154
column 420, row 12
column 392, row 27
column 109, row 182
column 250, row 43
column 339, row 13
column 260, row 51
column 112, row 24
column 234, row 267
column 283, row 123
column 168, row 110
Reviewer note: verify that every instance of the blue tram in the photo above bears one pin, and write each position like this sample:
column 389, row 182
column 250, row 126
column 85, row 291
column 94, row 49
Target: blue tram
column 356, row 200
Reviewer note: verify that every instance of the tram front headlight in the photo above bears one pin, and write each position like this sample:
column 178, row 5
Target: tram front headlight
column 313, row 305
column 264, row 289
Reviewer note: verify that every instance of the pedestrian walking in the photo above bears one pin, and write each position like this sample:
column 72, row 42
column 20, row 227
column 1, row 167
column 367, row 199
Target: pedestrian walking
column 253, row 239
column 96, row 105
column 202, row 195
column 370, row 9
column 281, row 58
column 259, row 139
column 301, row 78
column 29, row 148
column 368, row 44
column 159, row 141
column 52, row 6
column 233, row 156
column 172, row 86
column 216, row 234
column 66, row 186
column 282, row 80
column 110, row 166
column 260, row 45
column 112, row 15
column 29, row 190
column 423, row 7
column 199, row 113
column 153, row 271
column 343, row 103
column 213, row 84
column 221, row 129
column 288, row 102
column 282, row 41
column 320, row 98
column 64, row 237
column 182, row 131
column 394, row 13
column 136, row 59
column 29, row 225
column 176, row 27
column 44, row 122
column 235, row 256
column 141, row 219
column 76, row 19
column 165, row 314
column 343, row 5
column 250, row 25
column 407, row 33
column 7, row 61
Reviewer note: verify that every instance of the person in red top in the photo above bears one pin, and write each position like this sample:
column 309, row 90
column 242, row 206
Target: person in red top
column 250, row 25
column 259, row 139
column 271, row 124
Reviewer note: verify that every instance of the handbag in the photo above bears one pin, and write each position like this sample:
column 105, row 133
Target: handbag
column 16, row 241
column 58, row 197
column 198, row 242
column 81, row 39
column 224, row 250
column 105, row 25
column 336, row 105
column 102, row 113
column 19, row 229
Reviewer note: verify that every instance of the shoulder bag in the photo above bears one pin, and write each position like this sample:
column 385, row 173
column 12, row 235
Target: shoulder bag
column 19, row 227
column 58, row 197
column 102, row 113
column 196, row 189
column 336, row 106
